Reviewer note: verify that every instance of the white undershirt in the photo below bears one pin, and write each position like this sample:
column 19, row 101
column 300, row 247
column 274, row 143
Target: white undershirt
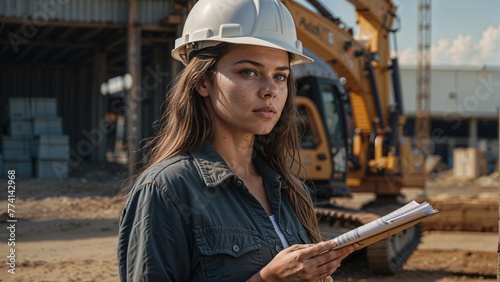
column 284, row 242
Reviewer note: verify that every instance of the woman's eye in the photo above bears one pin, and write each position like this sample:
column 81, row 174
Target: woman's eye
column 281, row 77
column 248, row 73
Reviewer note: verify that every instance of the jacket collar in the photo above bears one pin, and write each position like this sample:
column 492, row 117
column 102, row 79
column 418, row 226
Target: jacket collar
column 215, row 171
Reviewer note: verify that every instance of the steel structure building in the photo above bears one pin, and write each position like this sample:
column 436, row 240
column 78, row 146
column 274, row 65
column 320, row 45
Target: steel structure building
column 463, row 107
column 67, row 48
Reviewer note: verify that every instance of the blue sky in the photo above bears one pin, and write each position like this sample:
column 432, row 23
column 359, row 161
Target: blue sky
column 463, row 32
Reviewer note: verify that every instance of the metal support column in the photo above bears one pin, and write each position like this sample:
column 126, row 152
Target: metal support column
column 133, row 112
column 473, row 133
column 98, row 134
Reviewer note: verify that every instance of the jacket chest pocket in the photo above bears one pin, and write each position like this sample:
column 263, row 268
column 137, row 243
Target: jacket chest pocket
column 228, row 253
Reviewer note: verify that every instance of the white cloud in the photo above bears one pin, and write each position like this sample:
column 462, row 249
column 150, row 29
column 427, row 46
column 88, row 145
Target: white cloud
column 488, row 47
column 440, row 51
column 461, row 50
column 407, row 57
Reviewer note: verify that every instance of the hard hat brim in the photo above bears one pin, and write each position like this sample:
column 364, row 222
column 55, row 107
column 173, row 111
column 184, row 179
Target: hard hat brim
column 298, row 57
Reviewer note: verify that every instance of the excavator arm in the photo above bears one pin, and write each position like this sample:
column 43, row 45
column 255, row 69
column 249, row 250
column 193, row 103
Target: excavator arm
column 367, row 67
column 330, row 42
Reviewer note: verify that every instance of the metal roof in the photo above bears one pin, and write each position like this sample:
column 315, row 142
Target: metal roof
column 110, row 11
column 70, row 31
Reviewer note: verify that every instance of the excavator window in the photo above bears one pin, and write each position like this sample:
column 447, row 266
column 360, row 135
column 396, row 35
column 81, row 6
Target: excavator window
column 334, row 125
column 332, row 114
column 325, row 95
column 307, row 140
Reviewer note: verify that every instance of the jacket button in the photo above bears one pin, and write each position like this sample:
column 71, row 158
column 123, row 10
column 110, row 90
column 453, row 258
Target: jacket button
column 239, row 183
column 236, row 248
column 289, row 231
column 278, row 248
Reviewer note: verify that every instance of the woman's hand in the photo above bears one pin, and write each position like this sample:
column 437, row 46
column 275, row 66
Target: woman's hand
column 306, row 262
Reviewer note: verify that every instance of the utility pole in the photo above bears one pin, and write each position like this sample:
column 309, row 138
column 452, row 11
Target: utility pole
column 422, row 122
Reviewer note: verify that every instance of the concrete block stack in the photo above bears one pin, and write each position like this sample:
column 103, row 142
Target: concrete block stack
column 35, row 132
column 15, row 145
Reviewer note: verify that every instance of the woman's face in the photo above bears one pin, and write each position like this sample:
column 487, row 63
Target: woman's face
column 249, row 90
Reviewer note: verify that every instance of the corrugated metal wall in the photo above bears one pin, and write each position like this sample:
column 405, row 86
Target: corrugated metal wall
column 75, row 81
column 456, row 92
column 112, row 11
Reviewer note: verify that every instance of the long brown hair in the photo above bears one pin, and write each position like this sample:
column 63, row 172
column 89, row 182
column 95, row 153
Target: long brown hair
column 186, row 124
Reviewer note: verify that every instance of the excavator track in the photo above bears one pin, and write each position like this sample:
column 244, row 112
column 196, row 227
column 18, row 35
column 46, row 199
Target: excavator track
column 384, row 257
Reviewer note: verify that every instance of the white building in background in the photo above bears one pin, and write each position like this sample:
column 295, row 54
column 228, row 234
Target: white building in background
column 464, row 104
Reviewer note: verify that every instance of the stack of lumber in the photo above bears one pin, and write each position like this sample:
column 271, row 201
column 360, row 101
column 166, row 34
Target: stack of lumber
column 464, row 214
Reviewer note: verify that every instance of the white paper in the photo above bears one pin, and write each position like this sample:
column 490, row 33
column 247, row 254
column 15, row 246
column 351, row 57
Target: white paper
column 409, row 212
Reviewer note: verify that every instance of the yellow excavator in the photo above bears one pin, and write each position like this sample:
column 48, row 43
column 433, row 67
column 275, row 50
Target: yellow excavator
column 353, row 134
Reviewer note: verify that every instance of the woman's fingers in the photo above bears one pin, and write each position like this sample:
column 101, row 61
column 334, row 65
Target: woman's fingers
column 333, row 259
column 319, row 260
column 314, row 250
column 320, row 253
column 306, row 262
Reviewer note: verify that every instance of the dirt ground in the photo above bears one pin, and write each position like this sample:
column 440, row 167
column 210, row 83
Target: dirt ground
column 66, row 231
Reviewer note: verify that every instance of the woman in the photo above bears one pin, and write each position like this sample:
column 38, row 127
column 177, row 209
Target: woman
column 219, row 200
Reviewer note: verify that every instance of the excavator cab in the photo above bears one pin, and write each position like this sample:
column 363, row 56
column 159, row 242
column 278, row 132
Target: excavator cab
column 326, row 138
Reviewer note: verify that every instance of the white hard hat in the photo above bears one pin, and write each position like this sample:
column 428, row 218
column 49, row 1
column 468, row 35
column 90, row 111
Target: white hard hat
column 265, row 23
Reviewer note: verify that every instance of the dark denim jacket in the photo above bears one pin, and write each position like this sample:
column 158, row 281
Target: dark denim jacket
column 191, row 219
